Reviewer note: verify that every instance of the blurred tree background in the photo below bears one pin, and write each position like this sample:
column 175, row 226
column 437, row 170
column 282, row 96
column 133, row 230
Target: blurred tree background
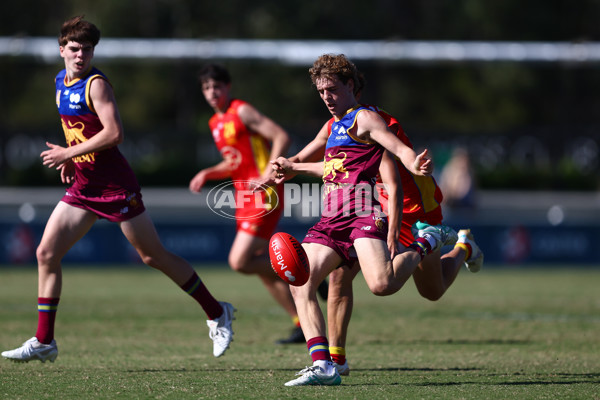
column 527, row 126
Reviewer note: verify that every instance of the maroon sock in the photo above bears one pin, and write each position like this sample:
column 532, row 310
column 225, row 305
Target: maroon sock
column 46, row 317
column 421, row 246
column 195, row 288
column 318, row 348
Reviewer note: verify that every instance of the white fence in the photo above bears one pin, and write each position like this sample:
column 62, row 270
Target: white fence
column 304, row 52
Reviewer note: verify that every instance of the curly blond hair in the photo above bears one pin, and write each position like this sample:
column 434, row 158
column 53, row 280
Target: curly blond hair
column 329, row 65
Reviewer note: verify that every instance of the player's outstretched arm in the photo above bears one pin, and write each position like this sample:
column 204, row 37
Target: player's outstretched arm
column 219, row 171
column 373, row 127
column 285, row 169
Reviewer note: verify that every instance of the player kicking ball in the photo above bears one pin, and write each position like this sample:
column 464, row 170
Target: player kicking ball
column 353, row 226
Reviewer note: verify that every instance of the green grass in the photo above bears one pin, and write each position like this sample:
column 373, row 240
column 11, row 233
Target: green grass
column 132, row 334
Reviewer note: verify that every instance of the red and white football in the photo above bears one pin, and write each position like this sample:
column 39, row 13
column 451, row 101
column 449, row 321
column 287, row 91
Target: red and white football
column 288, row 259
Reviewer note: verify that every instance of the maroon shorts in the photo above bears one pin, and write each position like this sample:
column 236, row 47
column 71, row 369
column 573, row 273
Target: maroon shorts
column 340, row 233
column 115, row 208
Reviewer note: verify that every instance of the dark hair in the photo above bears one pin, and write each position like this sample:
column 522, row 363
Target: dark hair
column 80, row 31
column 216, row 72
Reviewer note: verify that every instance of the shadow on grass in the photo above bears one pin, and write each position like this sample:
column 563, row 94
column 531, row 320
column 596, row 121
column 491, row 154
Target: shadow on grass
column 459, row 341
column 561, row 379
column 528, row 383
column 161, row 370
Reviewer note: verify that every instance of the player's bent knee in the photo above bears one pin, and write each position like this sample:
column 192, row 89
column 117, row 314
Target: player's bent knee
column 151, row 261
column 381, row 288
column 301, row 293
column 46, row 256
column 431, row 295
column 240, row 266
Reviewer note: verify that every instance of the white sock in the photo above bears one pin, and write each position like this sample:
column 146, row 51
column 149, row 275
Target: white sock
column 324, row 365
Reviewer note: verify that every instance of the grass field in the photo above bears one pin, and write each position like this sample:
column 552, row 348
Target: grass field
column 132, row 334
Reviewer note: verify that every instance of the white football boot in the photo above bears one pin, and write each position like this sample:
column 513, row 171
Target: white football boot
column 342, row 369
column 33, row 350
column 220, row 330
column 443, row 234
column 315, row 376
column 474, row 262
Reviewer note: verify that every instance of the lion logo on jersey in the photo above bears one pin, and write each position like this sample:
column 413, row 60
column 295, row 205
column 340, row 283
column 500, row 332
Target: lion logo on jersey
column 74, row 135
column 335, row 165
column 379, row 223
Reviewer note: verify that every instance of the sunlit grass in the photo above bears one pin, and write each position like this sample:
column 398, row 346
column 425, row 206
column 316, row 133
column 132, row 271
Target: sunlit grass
column 131, row 333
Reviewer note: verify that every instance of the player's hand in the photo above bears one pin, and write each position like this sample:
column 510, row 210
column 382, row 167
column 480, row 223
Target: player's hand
column 55, row 156
column 261, row 183
column 197, row 182
column 282, row 168
column 67, row 172
column 423, row 164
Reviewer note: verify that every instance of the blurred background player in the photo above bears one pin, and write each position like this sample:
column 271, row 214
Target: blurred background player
column 248, row 141
column 102, row 186
column 457, row 180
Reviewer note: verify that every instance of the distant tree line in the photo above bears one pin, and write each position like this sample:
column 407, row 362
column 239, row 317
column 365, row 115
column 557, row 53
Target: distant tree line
column 487, row 107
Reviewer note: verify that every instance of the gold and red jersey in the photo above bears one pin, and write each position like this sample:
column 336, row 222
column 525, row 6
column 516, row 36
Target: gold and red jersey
column 246, row 151
column 248, row 155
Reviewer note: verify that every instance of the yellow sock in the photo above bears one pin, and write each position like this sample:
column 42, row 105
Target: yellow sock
column 466, row 248
column 338, row 354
